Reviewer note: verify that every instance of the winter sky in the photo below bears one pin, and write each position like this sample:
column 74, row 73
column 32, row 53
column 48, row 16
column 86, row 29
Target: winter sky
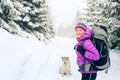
column 63, row 11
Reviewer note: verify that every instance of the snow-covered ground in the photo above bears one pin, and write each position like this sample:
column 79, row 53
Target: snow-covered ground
column 30, row 59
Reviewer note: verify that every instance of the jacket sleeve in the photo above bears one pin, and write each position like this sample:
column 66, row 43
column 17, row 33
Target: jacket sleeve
column 90, row 50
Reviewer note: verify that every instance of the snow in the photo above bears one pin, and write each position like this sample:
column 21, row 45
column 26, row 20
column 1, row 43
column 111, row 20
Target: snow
column 36, row 1
column 33, row 25
column 26, row 18
column 30, row 59
column 0, row 9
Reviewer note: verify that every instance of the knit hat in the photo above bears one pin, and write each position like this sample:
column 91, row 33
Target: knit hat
column 81, row 25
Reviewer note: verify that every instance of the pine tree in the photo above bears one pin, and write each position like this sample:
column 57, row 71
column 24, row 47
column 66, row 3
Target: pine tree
column 111, row 12
column 30, row 16
column 94, row 13
column 7, row 14
column 51, row 30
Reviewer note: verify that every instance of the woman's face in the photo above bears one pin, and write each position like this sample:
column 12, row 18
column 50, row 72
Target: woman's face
column 79, row 32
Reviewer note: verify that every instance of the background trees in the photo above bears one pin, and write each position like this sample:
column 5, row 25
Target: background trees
column 31, row 16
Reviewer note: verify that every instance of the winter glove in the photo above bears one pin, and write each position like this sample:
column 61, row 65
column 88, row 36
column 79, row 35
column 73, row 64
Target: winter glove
column 81, row 68
column 81, row 50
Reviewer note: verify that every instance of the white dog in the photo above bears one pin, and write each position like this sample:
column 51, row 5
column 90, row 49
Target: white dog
column 65, row 68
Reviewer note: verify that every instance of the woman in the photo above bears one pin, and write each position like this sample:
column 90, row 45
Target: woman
column 86, row 52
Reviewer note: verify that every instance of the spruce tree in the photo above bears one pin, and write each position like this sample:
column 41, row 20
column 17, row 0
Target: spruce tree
column 30, row 16
column 94, row 13
column 112, row 13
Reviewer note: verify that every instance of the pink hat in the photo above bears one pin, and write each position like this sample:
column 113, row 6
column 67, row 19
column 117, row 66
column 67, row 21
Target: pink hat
column 81, row 25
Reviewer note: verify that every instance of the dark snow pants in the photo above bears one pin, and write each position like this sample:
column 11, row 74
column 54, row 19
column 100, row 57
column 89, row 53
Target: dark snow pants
column 86, row 76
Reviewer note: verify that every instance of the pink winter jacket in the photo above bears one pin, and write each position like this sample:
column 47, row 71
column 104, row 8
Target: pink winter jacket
column 90, row 51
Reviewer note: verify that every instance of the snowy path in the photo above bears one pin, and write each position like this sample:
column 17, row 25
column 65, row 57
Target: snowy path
column 47, row 68
column 63, row 48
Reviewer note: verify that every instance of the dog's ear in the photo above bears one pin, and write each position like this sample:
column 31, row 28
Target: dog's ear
column 67, row 57
column 62, row 57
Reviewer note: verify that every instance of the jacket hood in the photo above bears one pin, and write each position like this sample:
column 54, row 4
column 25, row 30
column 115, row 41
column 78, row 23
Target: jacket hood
column 87, row 34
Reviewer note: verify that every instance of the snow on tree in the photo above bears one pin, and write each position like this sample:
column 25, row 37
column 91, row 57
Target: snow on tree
column 94, row 13
column 7, row 15
column 112, row 14
column 51, row 30
column 30, row 16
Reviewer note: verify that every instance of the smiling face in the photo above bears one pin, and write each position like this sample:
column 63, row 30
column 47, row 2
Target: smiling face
column 79, row 32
